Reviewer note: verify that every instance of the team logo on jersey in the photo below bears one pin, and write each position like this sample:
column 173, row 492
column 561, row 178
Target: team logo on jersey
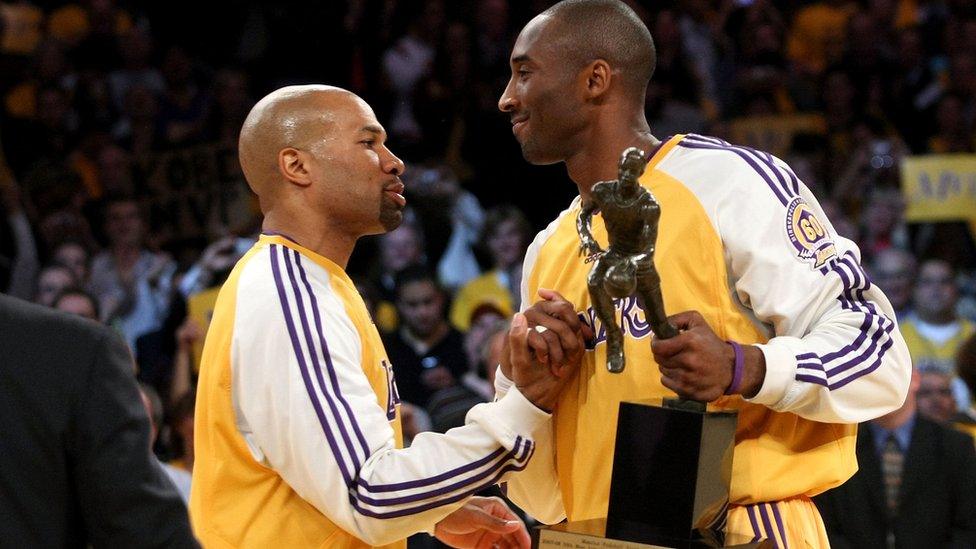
column 808, row 234
column 630, row 319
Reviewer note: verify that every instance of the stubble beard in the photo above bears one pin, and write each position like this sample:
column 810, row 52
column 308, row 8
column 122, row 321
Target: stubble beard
column 390, row 216
column 538, row 155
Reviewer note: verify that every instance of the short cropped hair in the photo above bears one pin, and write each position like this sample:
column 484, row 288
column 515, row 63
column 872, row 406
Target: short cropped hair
column 608, row 30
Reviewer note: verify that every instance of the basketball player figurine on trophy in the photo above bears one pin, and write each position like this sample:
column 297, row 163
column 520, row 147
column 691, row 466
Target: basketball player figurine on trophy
column 630, row 214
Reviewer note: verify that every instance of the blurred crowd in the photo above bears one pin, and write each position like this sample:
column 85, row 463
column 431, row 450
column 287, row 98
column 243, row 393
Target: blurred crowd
column 123, row 201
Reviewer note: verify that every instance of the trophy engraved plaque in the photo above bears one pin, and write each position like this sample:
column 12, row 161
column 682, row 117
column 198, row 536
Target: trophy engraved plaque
column 672, row 463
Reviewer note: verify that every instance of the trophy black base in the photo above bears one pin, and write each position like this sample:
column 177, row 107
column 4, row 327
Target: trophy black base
column 672, row 467
column 592, row 534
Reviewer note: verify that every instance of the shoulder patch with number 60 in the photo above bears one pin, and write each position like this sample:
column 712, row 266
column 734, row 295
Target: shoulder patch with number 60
column 808, row 234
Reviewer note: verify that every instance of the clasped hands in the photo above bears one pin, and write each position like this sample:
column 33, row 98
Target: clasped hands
column 547, row 341
column 544, row 349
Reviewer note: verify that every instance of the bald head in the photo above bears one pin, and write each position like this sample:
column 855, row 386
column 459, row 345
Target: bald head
column 294, row 116
column 317, row 158
column 604, row 29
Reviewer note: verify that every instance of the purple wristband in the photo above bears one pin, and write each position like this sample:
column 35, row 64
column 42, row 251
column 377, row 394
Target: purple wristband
column 737, row 369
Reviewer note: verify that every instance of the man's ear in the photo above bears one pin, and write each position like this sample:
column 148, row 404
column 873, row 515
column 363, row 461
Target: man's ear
column 293, row 164
column 598, row 76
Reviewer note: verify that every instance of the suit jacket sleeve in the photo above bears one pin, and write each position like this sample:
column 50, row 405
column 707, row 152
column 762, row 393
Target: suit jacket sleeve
column 123, row 493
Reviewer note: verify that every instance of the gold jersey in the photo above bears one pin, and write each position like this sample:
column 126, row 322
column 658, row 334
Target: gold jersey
column 744, row 243
column 297, row 428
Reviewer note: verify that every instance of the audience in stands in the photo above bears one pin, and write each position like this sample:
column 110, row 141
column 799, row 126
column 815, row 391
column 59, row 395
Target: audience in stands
column 51, row 281
column 506, row 235
column 77, row 301
column 934, row 331
column 181, row 478
column 428, row 352
column 934, row 397
column 132, row 283
column 894, row 271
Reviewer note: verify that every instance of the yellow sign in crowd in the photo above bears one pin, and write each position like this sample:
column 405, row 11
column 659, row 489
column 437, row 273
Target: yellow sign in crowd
column 940, row 187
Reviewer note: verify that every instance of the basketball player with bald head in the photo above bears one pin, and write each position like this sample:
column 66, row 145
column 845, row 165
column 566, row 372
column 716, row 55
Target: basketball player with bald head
column 777, row 318
column 297, row 435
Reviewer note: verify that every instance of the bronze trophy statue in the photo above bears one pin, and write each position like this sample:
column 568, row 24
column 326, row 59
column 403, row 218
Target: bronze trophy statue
column 630, row 213
column 672, row 462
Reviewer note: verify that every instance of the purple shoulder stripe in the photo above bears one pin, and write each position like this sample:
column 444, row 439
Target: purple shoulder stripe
column 516, row 454
column 852, row 356
column 764, row 156
column 872, row 367
column 315, row 361
column 333, row 377
column 398, row 486
column 303, row 366
column 779, row 523
column 762, row 163
column 757, row 533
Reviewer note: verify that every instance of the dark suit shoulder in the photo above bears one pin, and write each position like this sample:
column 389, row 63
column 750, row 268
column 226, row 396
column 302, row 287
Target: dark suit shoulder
column 40, row 344
column 46, row 324
column 956, row 444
